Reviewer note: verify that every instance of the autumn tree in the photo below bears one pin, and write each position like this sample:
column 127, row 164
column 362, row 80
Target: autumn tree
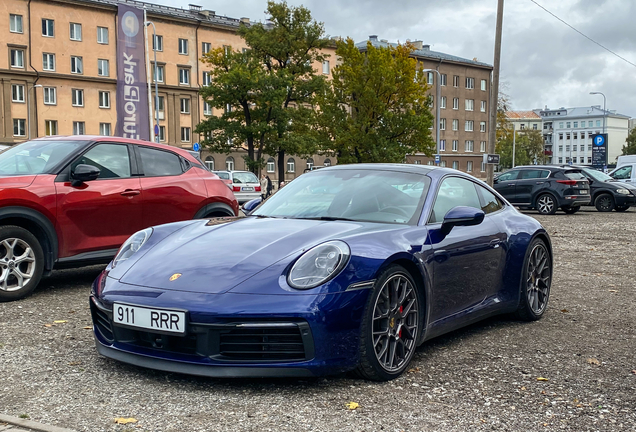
column 630, row 147
column 377, row 108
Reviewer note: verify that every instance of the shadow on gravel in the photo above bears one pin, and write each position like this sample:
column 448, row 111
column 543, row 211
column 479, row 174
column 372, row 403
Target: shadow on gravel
column 61, row 280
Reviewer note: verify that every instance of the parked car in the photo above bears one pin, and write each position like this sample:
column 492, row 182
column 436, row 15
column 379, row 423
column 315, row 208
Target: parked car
column 340, row 270
column 245, row 185
column 72, row 201
column 608, row 194
column 225, row 177
column 545, row 188
column 625, row 173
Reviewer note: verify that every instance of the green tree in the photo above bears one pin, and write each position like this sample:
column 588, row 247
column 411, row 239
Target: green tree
column 630, row 147
column 377, row 109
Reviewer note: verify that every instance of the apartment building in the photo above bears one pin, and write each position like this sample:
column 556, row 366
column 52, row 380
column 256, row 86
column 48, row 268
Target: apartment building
column 525, row 120
column 568, row 132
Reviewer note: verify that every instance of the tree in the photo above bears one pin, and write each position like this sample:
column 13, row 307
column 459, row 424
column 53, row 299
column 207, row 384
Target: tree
column 288, row 47
column 377, row 109
column 630, row 147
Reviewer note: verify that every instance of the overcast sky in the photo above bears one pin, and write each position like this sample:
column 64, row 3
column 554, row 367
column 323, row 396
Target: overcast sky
column 543, row 62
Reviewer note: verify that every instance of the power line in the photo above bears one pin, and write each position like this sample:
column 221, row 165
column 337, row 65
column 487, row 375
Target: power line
column 584, row 35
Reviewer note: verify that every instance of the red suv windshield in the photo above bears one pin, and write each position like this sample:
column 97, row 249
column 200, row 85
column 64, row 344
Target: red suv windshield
column 35, row 157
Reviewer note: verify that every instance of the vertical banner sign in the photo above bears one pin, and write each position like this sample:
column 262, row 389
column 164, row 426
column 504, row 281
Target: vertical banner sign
column 599, row 151
column 132, row 95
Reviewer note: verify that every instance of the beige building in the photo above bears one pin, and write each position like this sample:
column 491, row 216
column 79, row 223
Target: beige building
column 58, row 77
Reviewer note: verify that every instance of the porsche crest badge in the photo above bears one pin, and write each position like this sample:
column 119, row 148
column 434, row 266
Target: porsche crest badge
column 175, row 276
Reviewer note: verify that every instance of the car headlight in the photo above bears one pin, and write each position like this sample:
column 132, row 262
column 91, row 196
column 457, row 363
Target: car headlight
column 132, row 245
column 319, row 264
column 622, row 191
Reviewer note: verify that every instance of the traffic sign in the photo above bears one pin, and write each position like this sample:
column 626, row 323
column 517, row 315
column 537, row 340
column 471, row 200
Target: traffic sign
column 599, row 140
column 437, row 159
column 599, row 151
column 491, row 159
column 156, row 130
column 196, row 147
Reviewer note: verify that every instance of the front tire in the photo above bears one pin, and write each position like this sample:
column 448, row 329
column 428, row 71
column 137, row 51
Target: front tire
column 604, row 203
column 536, row 281
column 391, row 326
column 21, row 262
column 546, row 204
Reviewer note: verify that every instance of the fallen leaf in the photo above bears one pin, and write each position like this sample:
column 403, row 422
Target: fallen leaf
column 75, row 363
column 122, row 420
column 593, row 361
column 87, row 328
column 48, row 325
column 352, row 405
column 60, row 321
column 564, row 310
column 612, row 290
column 523, row 388
column 543, row 379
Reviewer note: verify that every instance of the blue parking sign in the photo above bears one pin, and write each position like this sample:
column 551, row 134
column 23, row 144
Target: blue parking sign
column 196, row 147
column 437, row 158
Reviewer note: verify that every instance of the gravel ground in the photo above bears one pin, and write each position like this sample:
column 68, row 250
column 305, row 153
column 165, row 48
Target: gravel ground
column 573, row 370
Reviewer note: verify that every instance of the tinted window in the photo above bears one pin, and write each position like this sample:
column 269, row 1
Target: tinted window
column 623, row 173
column 574, row 175
column 532, row 174
column 244, row 177
column 491, row 202
column 509, row 175
column 112, row 160
column 159, row 162
column 453, row 192
column 222, row 175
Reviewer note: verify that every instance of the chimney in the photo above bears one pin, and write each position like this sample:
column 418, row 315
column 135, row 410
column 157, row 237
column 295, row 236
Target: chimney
column 373, row 38
column 245, row 20
column 194, row 8
column 417, row 44
column 426, row 47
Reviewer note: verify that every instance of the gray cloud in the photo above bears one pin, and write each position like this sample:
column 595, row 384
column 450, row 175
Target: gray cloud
column 543, row 61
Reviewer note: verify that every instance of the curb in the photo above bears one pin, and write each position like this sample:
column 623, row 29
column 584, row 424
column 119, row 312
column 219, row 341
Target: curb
column 31, row 425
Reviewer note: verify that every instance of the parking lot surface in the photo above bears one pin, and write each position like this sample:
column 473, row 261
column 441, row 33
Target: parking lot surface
column 573, row 370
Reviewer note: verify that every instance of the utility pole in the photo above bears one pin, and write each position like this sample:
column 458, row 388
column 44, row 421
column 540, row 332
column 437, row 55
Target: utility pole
column 494, row 92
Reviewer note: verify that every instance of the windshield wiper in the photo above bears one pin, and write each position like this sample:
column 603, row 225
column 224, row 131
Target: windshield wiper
column 328, row 218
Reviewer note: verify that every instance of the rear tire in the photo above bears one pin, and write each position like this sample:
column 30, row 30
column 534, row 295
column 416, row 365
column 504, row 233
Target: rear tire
column 536, row 280
column 546, row 204
column 621, row 208
column 571, row 210
column 391, row 326
column 21, row 262
column 604, row 203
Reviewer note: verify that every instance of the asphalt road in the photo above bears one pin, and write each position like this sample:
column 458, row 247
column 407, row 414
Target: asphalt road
column 573, row 370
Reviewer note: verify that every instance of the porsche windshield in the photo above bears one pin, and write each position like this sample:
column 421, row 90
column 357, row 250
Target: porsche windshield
column 35, row 157
column 352, row 194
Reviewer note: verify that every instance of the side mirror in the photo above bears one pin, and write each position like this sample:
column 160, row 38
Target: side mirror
column 461, row 216
column 249, row 206
column 83, row 173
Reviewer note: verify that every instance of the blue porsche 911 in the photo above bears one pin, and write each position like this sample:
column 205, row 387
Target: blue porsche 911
column 346, row 268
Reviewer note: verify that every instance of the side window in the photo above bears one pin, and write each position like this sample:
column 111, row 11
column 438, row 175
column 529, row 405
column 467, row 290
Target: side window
column 530, row 174
column 490, row 202
column 624, row 173
column 112, row 160
column 507, row 176
column 453, row 192
column 159, row 163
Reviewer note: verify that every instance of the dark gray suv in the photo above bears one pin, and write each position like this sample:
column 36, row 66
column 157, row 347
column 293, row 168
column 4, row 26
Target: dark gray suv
column 544, row 188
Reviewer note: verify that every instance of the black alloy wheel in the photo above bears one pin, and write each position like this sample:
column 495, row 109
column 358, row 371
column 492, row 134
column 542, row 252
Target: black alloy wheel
column 21, row 262
column 535, row 282
column 621, row 208
column 391, row 327
column 546, row 204
column 604, row 203
column 571, row 210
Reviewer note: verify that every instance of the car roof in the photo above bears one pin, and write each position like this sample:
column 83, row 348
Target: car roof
column 413, row 168
column 548, row 167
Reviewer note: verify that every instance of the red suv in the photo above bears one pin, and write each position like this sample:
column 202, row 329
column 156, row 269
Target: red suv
column 72, row 201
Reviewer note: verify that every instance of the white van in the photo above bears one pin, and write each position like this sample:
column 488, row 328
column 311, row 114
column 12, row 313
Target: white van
column 625, row 170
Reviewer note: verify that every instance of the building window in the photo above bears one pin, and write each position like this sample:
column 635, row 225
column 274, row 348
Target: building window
column 19, row 127
column 76, row 65
column 209, row 162
column 469, row 166
column 468, row 127
column 590, row 124
column 469, row 146
column 534, row 126
column 470, row 83
column 17, row 93
column 483, row 106
column 567, row 148
column 325, row 67
column 567, row 125
column 78, row 97
column 205, row 48
column 271, row 165
column 15, row 23
column 589, row 160
column 104, row 99
column 207, row 108
column 455, row 80
column 598, row 123
column 443, row 80
column 482, row 126
column 560, row 160
column 575, row 135
column 327, row 162
column 184, row 76
column 455, row 124
column 455, row 145
column 185, row 105
column 522, row 126
column 48, row 27
column 229, row 163
column 183, row 46
column 442, row 145
column 483, row 167
column 567, row 135
column 104, row 129
column 103, row 67
column 560, row 125
column 50, row 96
column 17, row 58
column 482, row 146
column 442, row 164
column 206, row 78
column 50, row 127
column 442, row 124
column 417, row 162
column 576, row 124
column 78, row 128
column 456, row 165
column 48, row 62
column 158, row 71
column 561, row 136
column 76, row 32
column 455, row 103
column 157, row 43
column 470, row 104
column 185, row 134
column 291, row 165
column 560, row 148
column 162, row 133
column 483, row 85
column 442, row 103
column 102, row 35
column 429, row 78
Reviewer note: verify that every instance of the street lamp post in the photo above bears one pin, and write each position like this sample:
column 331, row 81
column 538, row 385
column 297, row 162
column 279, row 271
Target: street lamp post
column 438, row 102
column 29, row 108
column 514, row 142
column 604, row 111
column 154, row 76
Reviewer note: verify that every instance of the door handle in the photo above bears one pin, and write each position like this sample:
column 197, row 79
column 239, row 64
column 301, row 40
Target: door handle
column 130, row 192
column 511, row 185
column 495, row 243
column 540, row 182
